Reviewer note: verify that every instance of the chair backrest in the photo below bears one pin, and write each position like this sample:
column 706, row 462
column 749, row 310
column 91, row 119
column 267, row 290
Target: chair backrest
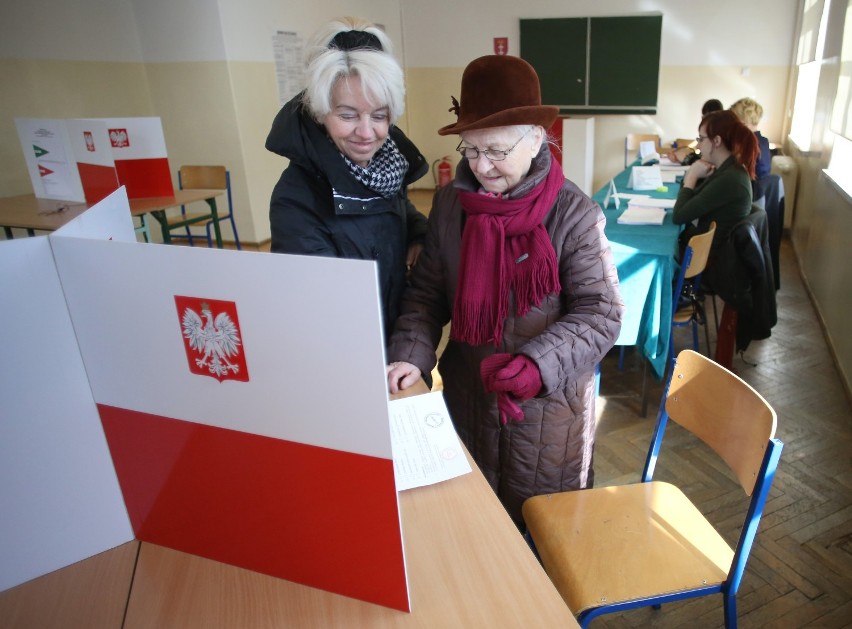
column 724, row 412
column 700, row 245
column 632, row 141
column 685, row 142
column 209, row 177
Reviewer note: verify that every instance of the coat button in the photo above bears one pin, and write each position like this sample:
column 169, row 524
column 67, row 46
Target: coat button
column 340, row 207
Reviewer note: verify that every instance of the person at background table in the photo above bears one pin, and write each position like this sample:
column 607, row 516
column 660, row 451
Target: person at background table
column 516, row 259
column 344, row 192
column 717, row 187
column 750, row 113
column 686, row 155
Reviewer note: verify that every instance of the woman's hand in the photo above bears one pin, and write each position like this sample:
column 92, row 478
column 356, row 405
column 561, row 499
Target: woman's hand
column 699, row 170
column 401, row 375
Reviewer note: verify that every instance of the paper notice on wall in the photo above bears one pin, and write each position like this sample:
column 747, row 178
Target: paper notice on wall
column 287, row 49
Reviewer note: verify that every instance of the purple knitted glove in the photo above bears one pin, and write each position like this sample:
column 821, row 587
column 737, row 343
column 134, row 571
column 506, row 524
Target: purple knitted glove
column 512, row 378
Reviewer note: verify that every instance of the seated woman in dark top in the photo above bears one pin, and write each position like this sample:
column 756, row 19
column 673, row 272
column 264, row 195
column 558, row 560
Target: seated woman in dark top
column 717, row 187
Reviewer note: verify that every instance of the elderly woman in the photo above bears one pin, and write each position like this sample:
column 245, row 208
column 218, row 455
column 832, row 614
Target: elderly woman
column 517, row 260
column 344, row 192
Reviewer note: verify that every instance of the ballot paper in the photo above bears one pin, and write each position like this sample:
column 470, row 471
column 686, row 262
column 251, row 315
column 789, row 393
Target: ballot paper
column 426, row 449
column 645, row 178
column 640, row 215
column 652, row 202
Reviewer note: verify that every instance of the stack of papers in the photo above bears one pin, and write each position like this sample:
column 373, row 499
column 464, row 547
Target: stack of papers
column 641, row 215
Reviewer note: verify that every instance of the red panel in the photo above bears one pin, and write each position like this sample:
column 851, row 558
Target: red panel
column 98, row 181
column 145, row 177
column 555, row 133
column 321, row 517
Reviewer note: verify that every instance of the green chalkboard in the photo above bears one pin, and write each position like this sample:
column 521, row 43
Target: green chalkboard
column 596, row 64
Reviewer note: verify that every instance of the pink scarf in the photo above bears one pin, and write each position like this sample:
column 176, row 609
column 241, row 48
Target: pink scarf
column 504, row 246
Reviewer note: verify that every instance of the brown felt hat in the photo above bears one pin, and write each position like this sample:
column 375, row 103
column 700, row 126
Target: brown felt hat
column 498, row 91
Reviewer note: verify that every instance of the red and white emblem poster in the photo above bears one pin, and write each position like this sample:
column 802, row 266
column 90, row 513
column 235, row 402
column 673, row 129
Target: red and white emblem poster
column 118, row 138
column 212, row 338
column 501, row 45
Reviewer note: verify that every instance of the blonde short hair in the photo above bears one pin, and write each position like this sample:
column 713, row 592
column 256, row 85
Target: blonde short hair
column 380, row 73
column 748, row 110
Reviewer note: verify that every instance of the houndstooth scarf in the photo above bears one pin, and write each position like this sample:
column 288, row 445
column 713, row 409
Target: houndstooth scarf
column 385, row 171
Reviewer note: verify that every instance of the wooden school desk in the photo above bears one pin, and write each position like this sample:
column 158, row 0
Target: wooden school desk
column 33, row 214
column 467, row 567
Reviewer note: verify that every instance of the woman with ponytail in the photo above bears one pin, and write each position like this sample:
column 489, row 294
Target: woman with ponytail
column 517, row 261
column 718, row 187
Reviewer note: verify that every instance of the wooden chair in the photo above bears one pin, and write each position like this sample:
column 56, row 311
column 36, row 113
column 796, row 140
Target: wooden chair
column 631, row 145
column 204, row 177
column 610, row 549
column 691, row 267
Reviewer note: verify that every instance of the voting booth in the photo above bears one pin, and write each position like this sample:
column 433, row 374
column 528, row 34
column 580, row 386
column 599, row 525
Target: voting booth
column 195, row 410
column 85, row 160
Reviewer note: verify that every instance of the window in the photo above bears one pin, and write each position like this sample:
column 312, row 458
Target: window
column 804, row 108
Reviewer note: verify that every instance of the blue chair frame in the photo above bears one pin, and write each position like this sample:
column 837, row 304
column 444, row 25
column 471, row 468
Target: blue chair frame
column 229, row 215
column 692, row 267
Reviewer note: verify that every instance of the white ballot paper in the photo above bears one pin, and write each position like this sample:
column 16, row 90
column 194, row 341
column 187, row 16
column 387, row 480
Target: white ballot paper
column 426, row 449
column 638, row 215
column 645, row 178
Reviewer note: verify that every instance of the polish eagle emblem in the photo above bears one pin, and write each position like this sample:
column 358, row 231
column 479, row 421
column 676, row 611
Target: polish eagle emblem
column 212, row 339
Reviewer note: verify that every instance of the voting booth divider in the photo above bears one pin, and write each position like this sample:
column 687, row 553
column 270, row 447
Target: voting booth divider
column 87, row 159
column 227, row 404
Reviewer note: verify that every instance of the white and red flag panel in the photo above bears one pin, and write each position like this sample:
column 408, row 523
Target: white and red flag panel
column 243, row 400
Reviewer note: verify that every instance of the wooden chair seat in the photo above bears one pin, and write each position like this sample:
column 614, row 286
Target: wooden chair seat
column 657, row 539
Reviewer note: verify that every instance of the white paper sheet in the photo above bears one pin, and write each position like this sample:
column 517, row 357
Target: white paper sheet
column 426, row 449
column 653, row 202
column 645, row 178
column 637, row 215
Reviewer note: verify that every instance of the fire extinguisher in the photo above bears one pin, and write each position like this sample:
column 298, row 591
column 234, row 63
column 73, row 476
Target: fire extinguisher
column 442, row 171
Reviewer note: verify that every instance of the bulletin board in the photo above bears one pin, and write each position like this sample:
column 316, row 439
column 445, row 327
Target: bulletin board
column 596, row 65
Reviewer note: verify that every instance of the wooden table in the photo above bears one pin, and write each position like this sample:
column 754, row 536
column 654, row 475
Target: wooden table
column 467, row 567
column 25, row 211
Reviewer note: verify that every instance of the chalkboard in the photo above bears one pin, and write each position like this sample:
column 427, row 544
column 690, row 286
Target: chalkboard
column 594, row 65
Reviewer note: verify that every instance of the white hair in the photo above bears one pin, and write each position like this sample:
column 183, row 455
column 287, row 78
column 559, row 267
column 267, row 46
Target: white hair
column 380, row 73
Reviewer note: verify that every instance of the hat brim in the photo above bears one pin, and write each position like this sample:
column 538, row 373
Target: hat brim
column 543, row 115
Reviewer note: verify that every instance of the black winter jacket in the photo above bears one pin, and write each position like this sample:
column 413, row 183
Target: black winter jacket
column 319, row 208
column 742, row 275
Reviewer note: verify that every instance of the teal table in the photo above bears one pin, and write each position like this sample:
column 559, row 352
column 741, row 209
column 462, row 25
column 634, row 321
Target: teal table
column 644, row 256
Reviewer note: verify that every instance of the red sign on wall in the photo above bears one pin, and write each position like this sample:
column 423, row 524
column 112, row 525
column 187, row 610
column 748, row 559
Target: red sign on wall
column 501, row 45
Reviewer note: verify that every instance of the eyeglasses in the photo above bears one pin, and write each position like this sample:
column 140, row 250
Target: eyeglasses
column 493, row 155
column 701, row 137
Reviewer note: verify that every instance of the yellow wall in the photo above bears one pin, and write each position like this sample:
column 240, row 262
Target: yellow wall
column 62, row 89
column 212, row 113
